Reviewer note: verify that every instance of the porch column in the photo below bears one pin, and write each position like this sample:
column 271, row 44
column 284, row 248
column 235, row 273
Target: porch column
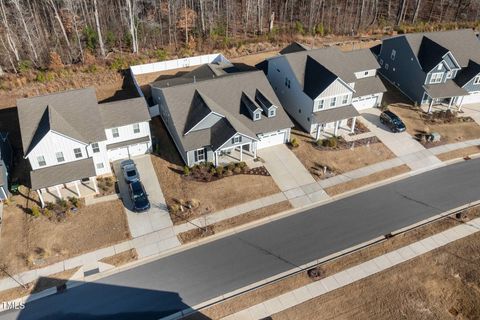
column 460, row 104
column 92, row 179
column 254, row 150
column 77, row 189
column 335, row 130
column 241, row 153
column 450, row 103
column 58, row 192
column 317, row 136
column 3, row 193
column 430, row 106
column 354, row 120
column 41, row 198
column 215, row 158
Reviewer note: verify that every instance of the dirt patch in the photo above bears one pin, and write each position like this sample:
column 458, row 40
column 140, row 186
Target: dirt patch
column 29, row 243
column 337, row 161
column 192, row 235
column 210, row 196
column 372, row 178
column 459, row 153
column 121, row 258
column 43, row 283
column 449, row 132
column 442, row 284
column 298, row 280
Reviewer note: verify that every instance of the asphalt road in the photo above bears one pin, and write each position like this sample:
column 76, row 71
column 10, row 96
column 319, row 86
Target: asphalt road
column 196, row 275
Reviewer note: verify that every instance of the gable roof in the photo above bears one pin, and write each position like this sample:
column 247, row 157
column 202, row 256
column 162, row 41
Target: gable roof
column 73, row 113
column 317, row 78
column 467, row 74
column 430, row 54
column 463, row 44
column 222, row 95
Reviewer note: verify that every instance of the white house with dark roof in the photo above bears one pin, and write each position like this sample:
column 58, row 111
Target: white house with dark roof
column 224, row 119
column 433, row 68
column 69, row 139
column 322, row 89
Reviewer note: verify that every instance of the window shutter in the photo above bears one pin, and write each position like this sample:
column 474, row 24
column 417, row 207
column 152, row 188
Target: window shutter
column 233, row 140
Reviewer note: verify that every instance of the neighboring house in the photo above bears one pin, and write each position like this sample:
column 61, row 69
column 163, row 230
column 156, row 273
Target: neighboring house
column 324, row 88
column 5, row 165
column 433, row 68
column 69, row 138
column 222, row 119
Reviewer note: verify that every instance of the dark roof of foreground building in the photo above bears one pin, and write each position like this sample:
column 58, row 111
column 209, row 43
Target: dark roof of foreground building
column 62, row 173
column 189, row 103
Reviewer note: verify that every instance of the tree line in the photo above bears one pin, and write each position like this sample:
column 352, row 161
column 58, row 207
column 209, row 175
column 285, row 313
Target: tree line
column 31, row 30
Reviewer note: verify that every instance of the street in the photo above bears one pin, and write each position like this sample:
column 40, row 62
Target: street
column 185, row 279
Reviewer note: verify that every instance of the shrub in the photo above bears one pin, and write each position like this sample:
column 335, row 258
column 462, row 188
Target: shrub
column 50, row 205
column 299, row 27
column 237, row 170
column 62, row 203
column 186, row 170
column 24, row 66
column 35, row 211
column 213, row 171
column 229, row 173
column 90, row 37
column 73, row 201
column 219, row 171
column 174, row 208
column 331, row 142
column 47, row 213
column 241, row 164
column 161, row 54
column 294, row 143
column 231, row 166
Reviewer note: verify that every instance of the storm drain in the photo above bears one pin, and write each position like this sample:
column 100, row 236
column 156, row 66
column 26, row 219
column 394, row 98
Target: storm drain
column 90, row 272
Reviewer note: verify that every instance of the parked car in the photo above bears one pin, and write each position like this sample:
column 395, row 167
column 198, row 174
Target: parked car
column 129, row 170
column 138, row 196
column 392, row 121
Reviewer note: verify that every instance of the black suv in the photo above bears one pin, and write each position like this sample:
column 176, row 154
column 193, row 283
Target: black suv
column 139, row 196
column 392, row 121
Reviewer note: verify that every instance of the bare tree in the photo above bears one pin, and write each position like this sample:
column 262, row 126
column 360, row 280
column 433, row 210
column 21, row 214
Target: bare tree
column 99, row 32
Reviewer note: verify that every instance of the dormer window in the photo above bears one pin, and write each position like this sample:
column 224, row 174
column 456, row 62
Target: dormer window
column 439, row 67
column 257, row 116
column 271, row 113
column 476, row 80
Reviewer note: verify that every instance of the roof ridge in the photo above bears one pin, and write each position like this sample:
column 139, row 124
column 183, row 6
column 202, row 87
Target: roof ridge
column 53, row 111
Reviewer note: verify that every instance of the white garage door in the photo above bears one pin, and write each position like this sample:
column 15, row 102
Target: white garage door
column 271, row 139
column 138, row 149
column 365, row 103
column 473, row 97
column 117, row 154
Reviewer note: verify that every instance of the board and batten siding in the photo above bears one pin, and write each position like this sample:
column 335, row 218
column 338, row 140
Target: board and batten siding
column 100, row 157
column 470, row 86
column 404, row 71
column 297, row 104
column 52, row 143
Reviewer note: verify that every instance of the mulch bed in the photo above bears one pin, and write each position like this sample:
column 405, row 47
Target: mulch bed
column 341, row 144
column 208, row 172
column 359, row 127
column 444, row 117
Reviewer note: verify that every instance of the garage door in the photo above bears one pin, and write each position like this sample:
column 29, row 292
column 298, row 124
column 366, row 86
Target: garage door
column 138, row 149
column 271, row 139
column 473, row 97
column 365, row 103
column 117, row 154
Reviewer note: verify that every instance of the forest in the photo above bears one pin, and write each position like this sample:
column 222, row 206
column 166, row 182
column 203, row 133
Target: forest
column 37, row 33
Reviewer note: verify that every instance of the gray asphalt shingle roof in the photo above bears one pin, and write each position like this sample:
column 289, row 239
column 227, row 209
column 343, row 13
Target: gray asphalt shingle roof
column 335, row 114
column 467, row 74
column 124, row 112
column 222, row 95
column 62, row 173
column 368, row 85
column 128, row 143
column 445, row 90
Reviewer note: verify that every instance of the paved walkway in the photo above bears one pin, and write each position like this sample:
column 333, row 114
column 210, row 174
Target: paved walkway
column 356, row 273
column 403, row 145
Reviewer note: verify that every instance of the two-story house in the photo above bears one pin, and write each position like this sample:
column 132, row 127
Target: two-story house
column 324, row 88
column 433, row 68
column 222, row 119
column 69, row 139
column 5, row 165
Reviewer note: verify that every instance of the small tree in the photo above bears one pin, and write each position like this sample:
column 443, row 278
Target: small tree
column 186, row 170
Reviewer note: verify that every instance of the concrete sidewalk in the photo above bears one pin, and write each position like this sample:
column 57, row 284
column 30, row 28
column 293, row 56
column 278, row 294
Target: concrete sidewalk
column 356, row 273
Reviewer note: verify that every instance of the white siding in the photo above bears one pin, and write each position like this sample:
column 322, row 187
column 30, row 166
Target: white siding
column 337, row 88
column 293, row 99
column 126, row 133
column 365, row 73
column 100, row 157
column 51, row 143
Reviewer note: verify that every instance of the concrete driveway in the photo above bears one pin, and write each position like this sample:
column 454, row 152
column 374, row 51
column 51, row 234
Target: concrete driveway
column 157, row 218
column 402, row 144
column 286, row 170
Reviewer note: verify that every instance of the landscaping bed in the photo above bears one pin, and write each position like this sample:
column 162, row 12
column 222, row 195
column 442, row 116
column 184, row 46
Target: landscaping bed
column 106, row 186
column 200, row 197
column 207, row 172
column 195, row 234
column 363, row 181
column 359, row 127
column 330, row 157
column 451, row 127
column 33, row 238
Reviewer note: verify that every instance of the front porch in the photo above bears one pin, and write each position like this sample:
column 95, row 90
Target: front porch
column 246, row 152
column 444, row 96
column 335, row 129
column 334, row 122
column 78, row 189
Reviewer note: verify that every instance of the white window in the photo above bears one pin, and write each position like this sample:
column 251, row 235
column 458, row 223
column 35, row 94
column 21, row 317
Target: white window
column 381, row 62
column 257, row 115
column 333, row 101
column 345, row 99
column 476, row 80
column 449, row 74
column 115, row 133
column 199, row 155
column 78, row 153
column 95, row 148
column 393, row 54
column 59, row 156
column 41, row 161
column 136, row 128
column 436, row 77
column 271, row 113
column 99, row 165
column 237, row 139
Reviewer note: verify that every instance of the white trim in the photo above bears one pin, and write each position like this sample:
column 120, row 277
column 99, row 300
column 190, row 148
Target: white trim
column 453, row 58
column 234, row 136
column 211, row 112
